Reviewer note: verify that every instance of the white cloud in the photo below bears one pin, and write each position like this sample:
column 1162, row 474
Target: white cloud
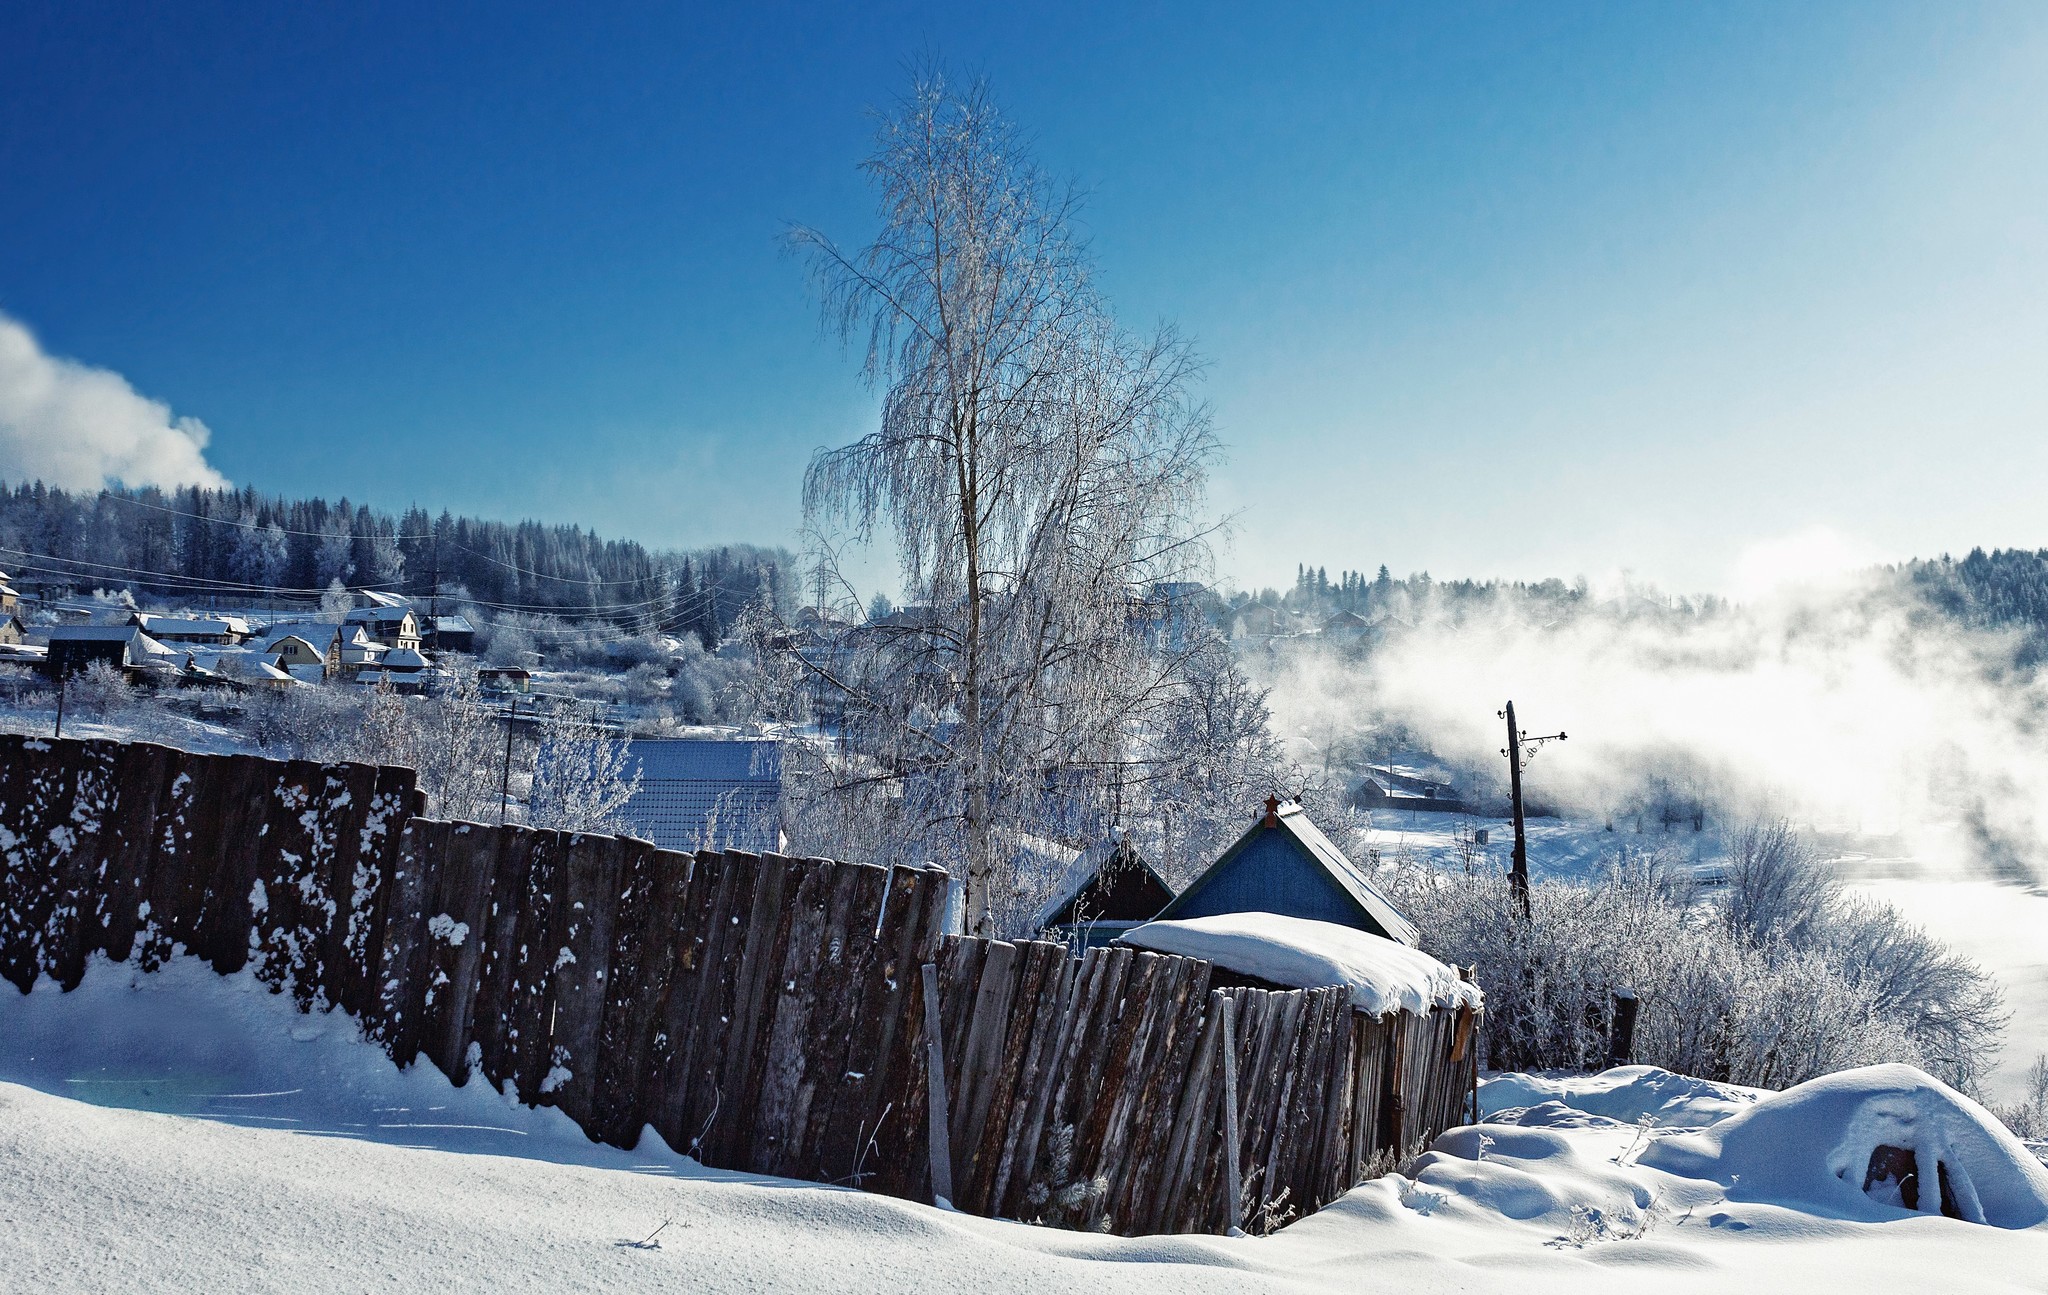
column 77, row 427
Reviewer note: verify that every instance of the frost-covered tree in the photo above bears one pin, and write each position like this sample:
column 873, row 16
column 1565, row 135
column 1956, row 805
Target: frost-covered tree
column 1038, row 469
column 581, row 779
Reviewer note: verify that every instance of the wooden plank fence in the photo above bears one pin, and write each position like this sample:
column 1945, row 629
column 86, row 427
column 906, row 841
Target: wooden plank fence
column 759, row 1012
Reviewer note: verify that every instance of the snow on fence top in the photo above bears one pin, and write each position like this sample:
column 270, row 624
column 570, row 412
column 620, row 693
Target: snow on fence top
column 1384, row 976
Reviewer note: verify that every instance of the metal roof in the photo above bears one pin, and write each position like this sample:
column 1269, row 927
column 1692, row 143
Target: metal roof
column 706, row 793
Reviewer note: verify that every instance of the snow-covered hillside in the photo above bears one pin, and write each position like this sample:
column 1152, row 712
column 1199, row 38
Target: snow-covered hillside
column 295, row 1158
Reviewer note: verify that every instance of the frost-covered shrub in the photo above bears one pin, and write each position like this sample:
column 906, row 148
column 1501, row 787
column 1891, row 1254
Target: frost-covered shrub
column 1797, row 988
column 100, row 691
column 581, row 781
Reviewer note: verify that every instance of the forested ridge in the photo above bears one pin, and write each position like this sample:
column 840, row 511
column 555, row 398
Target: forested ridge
column 197, row 544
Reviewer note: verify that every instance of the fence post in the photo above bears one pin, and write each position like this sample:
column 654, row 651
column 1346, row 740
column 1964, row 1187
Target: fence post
column 1621, row 1030
column 1231, row 1182
column 935, row 1081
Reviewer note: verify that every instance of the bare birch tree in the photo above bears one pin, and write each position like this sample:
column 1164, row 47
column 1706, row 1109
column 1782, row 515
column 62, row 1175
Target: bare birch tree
column 1039, row 470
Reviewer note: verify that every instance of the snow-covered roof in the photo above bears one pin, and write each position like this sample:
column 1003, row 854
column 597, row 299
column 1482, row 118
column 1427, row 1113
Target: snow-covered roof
column 373, row 598
column 380, row 615
column 175, row 626
column 1384, row 976
column 92, row 633
column 404, row 659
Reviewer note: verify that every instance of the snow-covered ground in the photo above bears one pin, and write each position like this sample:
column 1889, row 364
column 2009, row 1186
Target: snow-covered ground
column 187, row 1132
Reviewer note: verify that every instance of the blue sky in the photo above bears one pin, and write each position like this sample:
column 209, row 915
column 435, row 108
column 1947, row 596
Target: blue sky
column 1489, row 290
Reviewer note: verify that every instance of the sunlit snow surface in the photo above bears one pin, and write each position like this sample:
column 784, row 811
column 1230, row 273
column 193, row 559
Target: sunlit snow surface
column 295, row 1158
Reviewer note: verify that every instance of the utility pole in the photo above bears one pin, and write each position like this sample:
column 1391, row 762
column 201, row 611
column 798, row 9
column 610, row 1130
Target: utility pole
column 505, row 779
column 1520, row 746
column 62, row 684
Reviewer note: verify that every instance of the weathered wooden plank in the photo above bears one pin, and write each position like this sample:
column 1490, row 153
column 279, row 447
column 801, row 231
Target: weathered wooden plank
column 283, row 896
column 35, row 817
column 366, row 859
column 543, row 925
column 1191, row 1123
column 493, row 1013
column 985, row 1159
column 1051, row 1019
column 899, row 1160
column 77, row 863
column 722, row 956
column 714, row 1107
column 141, row 772
column 848, row 1132
column 222, row 861
column 458, row 926
column 980, row 1054
column 402, row 985
column 777, row 880
column 1133, row 1201
column 1099, row 1135
column 590, row 879
column 816, row 913
column 836, row 1072
column 705, row 887
column 936, row 1083
column 637, row 987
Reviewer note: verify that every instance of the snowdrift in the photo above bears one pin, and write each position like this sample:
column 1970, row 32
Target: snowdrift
column 1626, row 1094
column 1383, row 976
column 1871, row 1143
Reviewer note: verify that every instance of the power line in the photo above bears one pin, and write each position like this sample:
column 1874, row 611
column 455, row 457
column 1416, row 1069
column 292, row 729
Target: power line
column 138, row 574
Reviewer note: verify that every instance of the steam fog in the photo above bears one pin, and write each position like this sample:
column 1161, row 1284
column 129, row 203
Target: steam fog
column 1834, row 701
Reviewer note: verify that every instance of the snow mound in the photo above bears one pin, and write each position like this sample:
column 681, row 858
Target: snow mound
column 1383, row 976
column 1625, row 1094
column 1868, row 1144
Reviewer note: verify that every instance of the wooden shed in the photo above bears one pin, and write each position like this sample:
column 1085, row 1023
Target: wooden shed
column 1106, row 891
column 1284, row 864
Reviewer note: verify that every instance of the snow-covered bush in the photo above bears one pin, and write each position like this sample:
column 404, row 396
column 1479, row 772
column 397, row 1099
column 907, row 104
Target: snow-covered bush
column 1811, row 981
column 100, row 691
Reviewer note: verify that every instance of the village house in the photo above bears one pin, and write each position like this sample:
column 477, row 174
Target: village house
column 10, row 601
column 451, row 634
column 1284, row 864
column 218, row 631
column 73, row 648
column 393, row 626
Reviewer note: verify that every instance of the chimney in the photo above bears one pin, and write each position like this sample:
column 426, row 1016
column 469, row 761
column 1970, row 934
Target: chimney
column 1272, row 818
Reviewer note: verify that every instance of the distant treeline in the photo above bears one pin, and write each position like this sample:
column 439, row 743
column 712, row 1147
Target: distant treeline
column 2002, row 589
column 197, row 544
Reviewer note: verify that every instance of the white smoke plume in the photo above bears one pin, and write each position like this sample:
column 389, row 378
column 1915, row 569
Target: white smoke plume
column 77, row 427
column 1835, row 700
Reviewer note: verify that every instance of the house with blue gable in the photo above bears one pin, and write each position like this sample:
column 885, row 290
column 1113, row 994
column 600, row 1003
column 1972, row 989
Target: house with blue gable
column 1284, row 864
